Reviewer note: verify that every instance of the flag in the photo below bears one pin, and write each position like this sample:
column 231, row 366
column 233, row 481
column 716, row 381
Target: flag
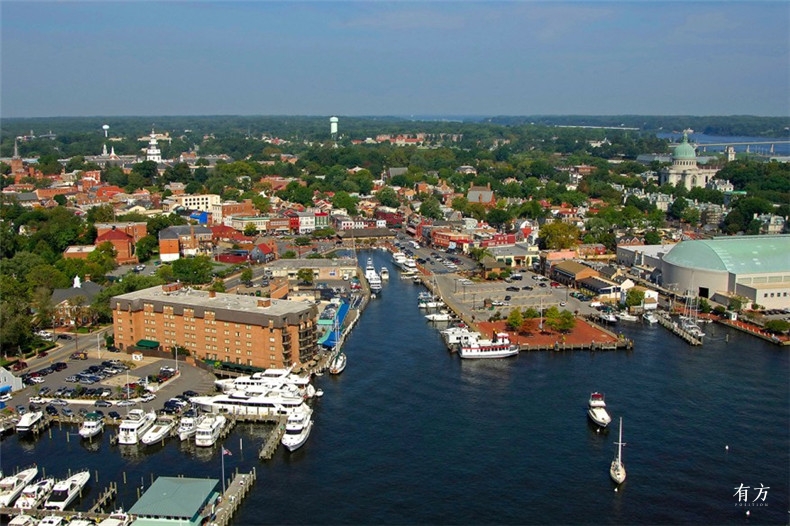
column 226, row 452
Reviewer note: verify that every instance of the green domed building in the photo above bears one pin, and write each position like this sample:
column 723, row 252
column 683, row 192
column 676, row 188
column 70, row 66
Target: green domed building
column 684, row 170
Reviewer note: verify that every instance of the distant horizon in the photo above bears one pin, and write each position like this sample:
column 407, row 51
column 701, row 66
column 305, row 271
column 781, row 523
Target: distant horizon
column 388, row 57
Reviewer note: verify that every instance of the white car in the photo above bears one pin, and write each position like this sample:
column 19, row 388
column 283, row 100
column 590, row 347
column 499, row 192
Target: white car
column 37, row 380
column 126, row 403
column 36, row 400
column 5, row 397
column 147, row 397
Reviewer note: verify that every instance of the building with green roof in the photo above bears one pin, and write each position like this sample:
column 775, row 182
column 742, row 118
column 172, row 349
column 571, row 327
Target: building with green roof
column 685, row 171
column 175, row 500
column 753, row 267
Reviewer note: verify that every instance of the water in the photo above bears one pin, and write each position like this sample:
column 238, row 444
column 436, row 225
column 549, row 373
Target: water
column 760, row 145
column 410, row 434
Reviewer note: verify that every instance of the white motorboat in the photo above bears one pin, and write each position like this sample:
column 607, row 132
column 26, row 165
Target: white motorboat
column 160, row 430
column 52, row 520
column 34, row 494
column 265, row 381
column 338, row 363
column 271, row 403
column 92, row 426
column 134, row 426
column 384, row 273
column 188, row 425
column 116, row 518
column 12, row 485
column 29, row 421
column 624, row 316
column 596, row 410
column 297, row 427
column 439, row 316
column 67, row 490
column 474, row 347
column 209, row 429
column 455, row 336
column 372, row 276
column 650, row 317
column 617, row 469
column 23, row 520
column 607, row 317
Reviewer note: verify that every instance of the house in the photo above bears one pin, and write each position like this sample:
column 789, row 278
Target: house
column 123, row 244
column 184, row 240
column 72, row 304
column 570, row 272
column 481, row 195
column 263, row 253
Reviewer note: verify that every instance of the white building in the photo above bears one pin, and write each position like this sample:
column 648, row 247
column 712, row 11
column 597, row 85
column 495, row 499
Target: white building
column 684, row 170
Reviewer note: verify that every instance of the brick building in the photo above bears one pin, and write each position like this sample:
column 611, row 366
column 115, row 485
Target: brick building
column 239, row 329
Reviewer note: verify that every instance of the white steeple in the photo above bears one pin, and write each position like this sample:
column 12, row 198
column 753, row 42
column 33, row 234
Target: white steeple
column 153, row 153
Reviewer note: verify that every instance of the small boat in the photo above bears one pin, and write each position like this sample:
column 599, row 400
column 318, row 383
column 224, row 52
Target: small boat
column 159, row 431
column 29, row 421
column 92, row 426
column 209, row 429
column 34, row 494
column 439, row 316
column 650, row 317
column 52, row 520
column 297, row 427
column 338, row 363
column 23, row 520
column 596, row 410
column 80, row 521
column 607, row 317
column 624, row 316
column 134, row 426
column 117, row 518
column 384, row 273
column 188, row 425
column 319, row 393
column 12, row 485
column 66, row 491
column 617, row 469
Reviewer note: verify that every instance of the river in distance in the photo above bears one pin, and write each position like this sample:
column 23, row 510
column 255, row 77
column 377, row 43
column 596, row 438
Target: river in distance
column 411, row 434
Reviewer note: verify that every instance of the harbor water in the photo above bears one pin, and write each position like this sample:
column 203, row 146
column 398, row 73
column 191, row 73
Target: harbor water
column 411, row 434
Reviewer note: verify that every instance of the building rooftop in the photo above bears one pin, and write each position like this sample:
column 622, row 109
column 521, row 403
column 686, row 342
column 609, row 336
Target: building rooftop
column 734, row 254
column 175, row 498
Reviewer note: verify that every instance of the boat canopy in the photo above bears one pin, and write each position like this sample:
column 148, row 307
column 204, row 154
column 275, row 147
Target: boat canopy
column 147, row 344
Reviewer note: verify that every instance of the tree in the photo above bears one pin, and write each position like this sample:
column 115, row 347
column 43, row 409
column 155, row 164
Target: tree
column 634, row 297
column 777, row 326
column 677, row 208
column 559, row 235
column 515, row 319
column 192, row 271
column 305, row 275
column 250, row 229
column 246, row 275
column 652, row 237
column 498, row 217
column 146, row 247
column 388, row 197
column 288, row 254
column 431, row 208
column 342, row 199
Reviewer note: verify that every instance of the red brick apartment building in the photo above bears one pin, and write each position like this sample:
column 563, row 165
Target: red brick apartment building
column 239, row 329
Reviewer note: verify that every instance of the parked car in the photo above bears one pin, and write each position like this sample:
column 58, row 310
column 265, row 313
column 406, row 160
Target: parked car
column 66, row 411
column 102, row 403
column 59, row 401
column 51, row 410
column 115, row 415
column 147, row 397
column 513, row 289
column 18, row 366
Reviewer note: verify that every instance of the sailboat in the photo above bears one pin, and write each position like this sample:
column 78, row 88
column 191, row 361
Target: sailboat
column 617, row 469
column 338, row 362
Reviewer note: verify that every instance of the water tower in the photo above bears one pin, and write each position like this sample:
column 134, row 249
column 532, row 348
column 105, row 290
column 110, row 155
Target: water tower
column 105, row 128
column 333, row 127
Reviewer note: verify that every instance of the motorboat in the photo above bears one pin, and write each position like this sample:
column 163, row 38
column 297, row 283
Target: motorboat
column 338, row 363
column 209, row 429
column 161, row 429
column 29, row 422
column 265, row 381
column 617, row 469
column 116, row 518
column 134, row 426
column 384, row 273
column 372, row 276
column 67, row 490
column 23, row 520
column 454, row 336
column 439, row 316
column 596, row 410
column 34, row 494
column 499, row 346
column 624, row 316
column 92, row 426
column 271, row 403
column 297, row 427
column 607, row 317
column 188, row 425
column 650, row 317
column 52, row 520
column 12, row 485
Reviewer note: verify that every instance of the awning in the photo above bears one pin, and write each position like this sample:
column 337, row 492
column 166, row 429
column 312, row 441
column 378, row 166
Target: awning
column 147, row 344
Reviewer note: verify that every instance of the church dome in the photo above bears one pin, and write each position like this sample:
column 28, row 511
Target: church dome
column 684, row 151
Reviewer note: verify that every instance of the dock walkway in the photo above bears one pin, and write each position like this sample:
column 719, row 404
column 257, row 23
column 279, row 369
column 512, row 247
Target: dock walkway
column 667, row 322
column 231, row 499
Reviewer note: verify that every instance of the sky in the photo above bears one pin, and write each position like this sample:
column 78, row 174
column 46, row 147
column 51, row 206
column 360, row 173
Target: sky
column 395, row 58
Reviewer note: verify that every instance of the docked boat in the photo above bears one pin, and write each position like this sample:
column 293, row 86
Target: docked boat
column 384, row 273
column 650, row 317
column 92, row 426
column 455, row 336
column 624, row 316
column 209, row 429
column 607, row 317
column 265, row 381
column 161, row 429
column 617, row 469
column 52, row 520
column 439, row 316
column 188, row 425
column 134, row 426
column 12, row 485
column 23, row 520
column 271, row 403
column 116, row 518
column 34, row 494
column 297, row 427
column 499, row 346
column 67, row 490
column 596, row 410
column 374, row 281
column 29, row 422
column 338, row 363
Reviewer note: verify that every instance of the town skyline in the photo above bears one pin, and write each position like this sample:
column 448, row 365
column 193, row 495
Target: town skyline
column 388, row 58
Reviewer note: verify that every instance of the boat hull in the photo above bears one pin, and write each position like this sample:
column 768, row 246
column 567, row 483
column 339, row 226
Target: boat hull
column 476, row 354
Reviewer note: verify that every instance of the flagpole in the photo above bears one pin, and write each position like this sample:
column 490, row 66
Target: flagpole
column 223, row 470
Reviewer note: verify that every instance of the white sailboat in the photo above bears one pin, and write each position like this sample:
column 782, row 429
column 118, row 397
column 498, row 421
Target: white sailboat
column 617, row 469
column 338, row 362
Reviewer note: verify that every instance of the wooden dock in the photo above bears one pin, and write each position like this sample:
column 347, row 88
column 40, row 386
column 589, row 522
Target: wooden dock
column 231, row 499
column 273, row 440
column 105, row 497
column 667, row 322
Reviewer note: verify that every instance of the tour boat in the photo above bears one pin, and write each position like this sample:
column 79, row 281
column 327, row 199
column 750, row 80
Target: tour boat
column 27, row 424
column 134, row 426
column 188, row 425
column 271, row 403
column 297, row 427
column 596, row 410
column 67, row 490
column 92, row 426
column 475, row 347
column 12, row 485
column 617, row 469
column 372, row 276
column 34, row 494
column 159, row 431
column 209, row 429
column 338, row 363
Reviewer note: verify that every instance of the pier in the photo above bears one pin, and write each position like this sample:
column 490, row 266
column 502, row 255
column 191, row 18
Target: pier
column 105, row 497
column 667, row 322
column 231, row 498
column 273, row 440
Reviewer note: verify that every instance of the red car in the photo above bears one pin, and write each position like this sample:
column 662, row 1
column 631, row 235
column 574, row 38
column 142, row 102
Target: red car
column 554, row 284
